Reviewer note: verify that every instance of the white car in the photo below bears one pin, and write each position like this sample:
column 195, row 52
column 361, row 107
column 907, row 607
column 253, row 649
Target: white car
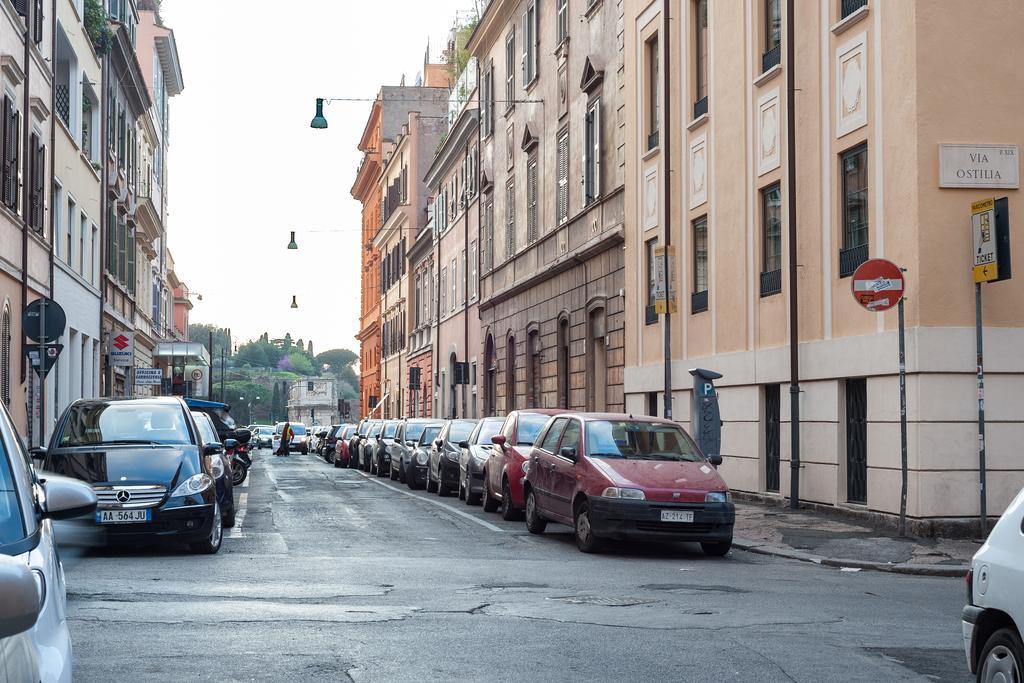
column 994, row 615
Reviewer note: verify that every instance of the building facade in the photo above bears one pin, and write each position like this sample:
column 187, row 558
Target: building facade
column 422, row 320
column 552, row 204
column 313, row 401
column 876, row 177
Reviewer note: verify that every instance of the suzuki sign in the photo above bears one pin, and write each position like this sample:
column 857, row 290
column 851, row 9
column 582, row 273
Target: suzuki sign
column 121, row 348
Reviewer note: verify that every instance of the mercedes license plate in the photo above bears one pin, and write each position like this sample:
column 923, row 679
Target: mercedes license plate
column 677, row 516
column 123, row 516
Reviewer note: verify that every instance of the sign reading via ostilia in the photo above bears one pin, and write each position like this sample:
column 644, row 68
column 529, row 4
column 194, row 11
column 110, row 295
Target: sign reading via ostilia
column 877, row 285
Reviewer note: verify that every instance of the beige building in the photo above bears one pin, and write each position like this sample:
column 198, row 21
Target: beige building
column 552, row 204
column 881, row 89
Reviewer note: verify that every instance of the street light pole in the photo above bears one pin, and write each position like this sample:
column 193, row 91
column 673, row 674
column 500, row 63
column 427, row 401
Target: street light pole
column 794, row 318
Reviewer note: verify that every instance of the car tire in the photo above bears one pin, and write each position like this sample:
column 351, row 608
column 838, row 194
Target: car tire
column 305, row 451
column 586, row 541
column 1002, row 657
column 381, row 472
column 717, row 549
column 535, row 524
column 401, row 472
column 328, row 457
column 442, row 490
column 508, row 512
column 489, row 503
column 228, row 519
column 429, row 485
column 211, row 545
column 238, row 474
column 462, row 488
column 393, row 472
column 337, row 462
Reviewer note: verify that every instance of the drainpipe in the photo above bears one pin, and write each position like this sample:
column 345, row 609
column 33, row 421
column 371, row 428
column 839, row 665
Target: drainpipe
column 794, row 319
column 107, row 378
column 666, row 150
column 51, row 157
column 25, row 374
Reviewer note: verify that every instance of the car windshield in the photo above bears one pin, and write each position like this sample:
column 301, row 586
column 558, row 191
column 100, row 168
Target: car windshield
column 530, row 425
column 413, row 431
column 299, row 429
column 639, row 441
column 91, row 424
column 429, row 434
column 364, row 428
column 266, row 431
column 488, row 429
column 390, row 429
column 460, row 431
column 12, row 524
column 375, row 430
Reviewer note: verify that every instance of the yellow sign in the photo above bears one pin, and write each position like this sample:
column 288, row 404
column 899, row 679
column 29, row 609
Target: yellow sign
column 665, row 280
column 983, row 225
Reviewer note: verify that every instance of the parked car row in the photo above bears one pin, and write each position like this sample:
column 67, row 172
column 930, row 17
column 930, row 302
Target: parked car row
column 608, row 476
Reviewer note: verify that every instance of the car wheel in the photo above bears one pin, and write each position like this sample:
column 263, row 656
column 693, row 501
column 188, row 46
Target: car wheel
column 381, row 472
column 535, row 524
column 211, row 545
column 1002, row 658
column 227, row 520
column 337, row 461
column 410, row 479
column 488, row 502
column 586, row 541
column 401, row 472
column 328, row 456
column 718, row 549
column 462, row 487
column 305, row 451
column 442, row 490
column 429, row 481
column 238, row 474
column 508, row 512
column 393, row 472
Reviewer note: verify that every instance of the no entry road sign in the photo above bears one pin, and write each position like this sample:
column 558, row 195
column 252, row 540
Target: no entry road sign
column 878, row 285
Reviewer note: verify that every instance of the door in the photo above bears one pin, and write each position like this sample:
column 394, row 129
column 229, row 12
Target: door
column 856, row 440
column 563, row 473
column 540, row 469
column 772, row 437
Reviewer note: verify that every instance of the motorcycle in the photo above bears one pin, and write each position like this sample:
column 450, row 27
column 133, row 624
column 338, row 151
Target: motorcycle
column 241, row 460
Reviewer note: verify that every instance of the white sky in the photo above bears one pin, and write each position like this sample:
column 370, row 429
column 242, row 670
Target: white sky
column 245, row 168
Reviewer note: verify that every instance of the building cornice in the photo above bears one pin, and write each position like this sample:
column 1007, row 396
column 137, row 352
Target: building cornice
column 460, row 134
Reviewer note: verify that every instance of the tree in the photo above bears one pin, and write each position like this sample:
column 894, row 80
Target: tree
column 340, row 362
column 275, row 403
column 296, row 362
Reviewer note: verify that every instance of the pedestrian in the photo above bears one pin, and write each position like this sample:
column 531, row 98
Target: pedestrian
column 286, row 439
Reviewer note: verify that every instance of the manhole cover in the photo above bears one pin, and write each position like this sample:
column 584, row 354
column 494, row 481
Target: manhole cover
column 602, row 601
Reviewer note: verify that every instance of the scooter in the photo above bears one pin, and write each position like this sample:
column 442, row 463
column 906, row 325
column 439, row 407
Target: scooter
column 240, row 464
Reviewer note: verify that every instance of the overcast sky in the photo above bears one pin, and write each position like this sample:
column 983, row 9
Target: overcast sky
column 246, row 168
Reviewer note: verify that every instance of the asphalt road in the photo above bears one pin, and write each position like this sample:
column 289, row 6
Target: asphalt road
column 334, row 576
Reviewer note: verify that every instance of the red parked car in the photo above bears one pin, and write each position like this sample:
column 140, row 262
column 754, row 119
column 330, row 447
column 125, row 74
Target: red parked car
column 506, row 466
column 624, row 477
column 341, row 445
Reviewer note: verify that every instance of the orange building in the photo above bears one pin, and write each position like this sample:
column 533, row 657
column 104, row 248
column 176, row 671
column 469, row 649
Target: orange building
column 366, row 190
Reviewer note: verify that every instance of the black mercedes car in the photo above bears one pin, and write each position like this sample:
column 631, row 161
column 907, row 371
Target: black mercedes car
column 146, row 462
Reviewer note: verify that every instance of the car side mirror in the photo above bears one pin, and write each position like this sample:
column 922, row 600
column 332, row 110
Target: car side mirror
column 230, row 443
column 498, row 440
column 38, row 455
column 568, row 453
column 439, row 444
column 212, row 449
column 715, row 460
column 67, row 498
column 20, row 602
column 464, row 444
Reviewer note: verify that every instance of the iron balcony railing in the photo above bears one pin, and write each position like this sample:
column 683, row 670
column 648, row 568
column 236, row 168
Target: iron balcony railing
column 771, row 58
column 700, row 107
column 699, row 302
column 652, row 140
column 771, row 282
column 850, row 258
column 848, row 7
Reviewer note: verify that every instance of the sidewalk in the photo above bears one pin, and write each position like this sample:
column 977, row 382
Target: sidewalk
column 830, row 540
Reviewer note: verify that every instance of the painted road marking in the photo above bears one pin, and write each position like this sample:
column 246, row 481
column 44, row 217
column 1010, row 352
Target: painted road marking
column 243, row 505
column 449, row 508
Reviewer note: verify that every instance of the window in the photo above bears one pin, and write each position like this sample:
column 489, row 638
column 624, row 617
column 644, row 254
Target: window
column 472, row 270
column 444, row 289
column 771, row 240
column 597, row 362
column 487, row 102
column 37, row 178
column 772, row 34
column 532, row 218
column 12, row 131
column 488, row 238
column 855, row 209
column 699, row 298
column 130, row 275
column 83, row 230
column 550, row 441
column 94, row 271
column 563, row 20
column 592, row 153
column 650, row 314
column 562, row 191
column 69, row 234
column 510, row 375
column 455, row 284
column 510, row 219
column 533, row 369
column 563, row 363
column 571, row 436
column 531, row 43
column 57, row 202
column 653, row 87
column 700, row 43
column 510, row 71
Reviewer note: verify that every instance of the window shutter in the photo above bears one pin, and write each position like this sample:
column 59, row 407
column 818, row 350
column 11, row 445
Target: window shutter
column 562, row 202
column 596, row 125
column 587, row 132
column 531, row 200
column 526, row 48
column 8, row 140
column 22, row 7
column 37, row 28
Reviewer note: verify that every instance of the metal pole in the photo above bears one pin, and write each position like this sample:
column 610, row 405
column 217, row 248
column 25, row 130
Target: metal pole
column 209, row 394
column 222, row 374
column 903, row 423
column 666, row 151
column 42, row 371
column 794, row 331
column 982, row 475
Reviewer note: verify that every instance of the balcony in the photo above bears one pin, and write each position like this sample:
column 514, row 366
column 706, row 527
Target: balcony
column 771, row 58
column 771, row 282
column 652, row 140
column 393, row 199
column 848, row 7
column 850, row 258
column 464, row 86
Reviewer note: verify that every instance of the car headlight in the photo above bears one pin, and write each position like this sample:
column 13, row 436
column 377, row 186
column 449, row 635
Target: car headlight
column 627, row 494
column 217, row 465
column 452, row 455
column 717, row 497
column 197, row 483
column 526, row 467
column 421, row 457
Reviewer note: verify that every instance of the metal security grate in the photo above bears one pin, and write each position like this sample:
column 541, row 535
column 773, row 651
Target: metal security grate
column 848, row 7
column 700, row 107
column 772, row 436
column 856, row 440
column 62, row 102
column 699, row 302
column 771, row 282
column 850, row 258
column 771, row 58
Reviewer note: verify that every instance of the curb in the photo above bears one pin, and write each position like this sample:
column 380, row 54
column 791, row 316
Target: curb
column 943, row 570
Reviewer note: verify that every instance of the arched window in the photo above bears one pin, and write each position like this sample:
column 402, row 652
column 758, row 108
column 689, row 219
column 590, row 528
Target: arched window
column 510, row 375
column 533, row 369
column 453, row 411
column 597, row 362
column 563, row 363
column 491, row 384
column 5, row 357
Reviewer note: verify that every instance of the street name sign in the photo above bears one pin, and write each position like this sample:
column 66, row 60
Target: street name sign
column 994, row 166
column 877, row 285
column 148, row 377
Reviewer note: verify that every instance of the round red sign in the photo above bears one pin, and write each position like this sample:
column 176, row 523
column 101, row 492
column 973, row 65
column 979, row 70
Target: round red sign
column 877, row 285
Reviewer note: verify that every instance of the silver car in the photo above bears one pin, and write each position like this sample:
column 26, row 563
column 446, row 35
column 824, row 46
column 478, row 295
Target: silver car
column 28, row 506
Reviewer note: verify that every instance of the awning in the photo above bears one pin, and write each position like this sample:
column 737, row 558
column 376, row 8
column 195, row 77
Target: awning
column 193, row 352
